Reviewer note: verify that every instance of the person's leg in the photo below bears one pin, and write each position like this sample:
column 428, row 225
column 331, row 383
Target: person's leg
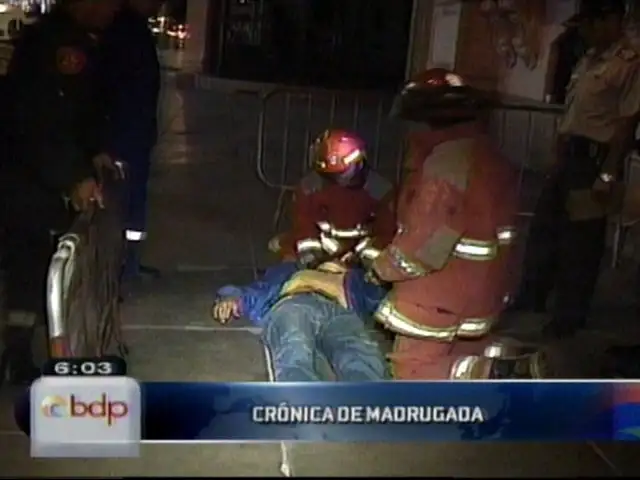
column 290, row 334
column 582, row 248
column 352, row 353
column 541, row 250
column 418, row 359
column 26, row 262
column 136, row 215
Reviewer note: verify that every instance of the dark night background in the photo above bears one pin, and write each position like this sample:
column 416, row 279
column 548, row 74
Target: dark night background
column 355, row 43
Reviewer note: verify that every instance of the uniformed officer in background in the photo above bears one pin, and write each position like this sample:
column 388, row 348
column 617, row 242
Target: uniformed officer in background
column 133, row 84
column 567, row 236
column 55, row 114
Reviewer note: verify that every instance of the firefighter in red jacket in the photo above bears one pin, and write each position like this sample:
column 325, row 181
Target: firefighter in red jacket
column 343, row 193
column 449, row 263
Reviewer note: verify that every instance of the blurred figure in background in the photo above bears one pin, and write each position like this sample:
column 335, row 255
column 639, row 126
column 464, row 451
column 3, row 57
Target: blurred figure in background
column 53, row 124
column 341, row 191
column 133, row 85
column 566, row 240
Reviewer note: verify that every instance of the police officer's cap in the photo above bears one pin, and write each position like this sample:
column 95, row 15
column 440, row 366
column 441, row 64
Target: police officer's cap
column 593, row 9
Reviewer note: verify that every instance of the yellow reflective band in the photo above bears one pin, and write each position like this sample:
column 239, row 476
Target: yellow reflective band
column 396, row 322
column 366, row 252
column 463, row 368
column 329, row 245
column 469, row 368
column 506, row 235
column 308, row 244
column 343, row 233
column 406, row 266
column 369, row 254
column 475, row 327
column 389, row 316
column 475, row 250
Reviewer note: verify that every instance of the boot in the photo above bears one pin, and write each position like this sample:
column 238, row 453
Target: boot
column 528, row 368
column 133, row 268
column 17, row 362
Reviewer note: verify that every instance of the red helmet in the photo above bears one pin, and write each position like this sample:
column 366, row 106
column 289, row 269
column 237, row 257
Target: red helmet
column 437, row 93
column 339, row 156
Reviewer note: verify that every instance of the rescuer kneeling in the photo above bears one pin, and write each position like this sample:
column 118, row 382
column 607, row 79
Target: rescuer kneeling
column 449, row 265
column 341, row 191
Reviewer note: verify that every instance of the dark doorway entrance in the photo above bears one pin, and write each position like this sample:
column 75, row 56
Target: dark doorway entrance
column 354, row 43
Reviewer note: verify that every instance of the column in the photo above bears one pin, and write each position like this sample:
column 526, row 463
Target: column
column 196, row 45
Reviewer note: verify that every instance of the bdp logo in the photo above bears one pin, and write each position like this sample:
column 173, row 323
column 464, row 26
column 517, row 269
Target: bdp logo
column 101, row 409
column 54, row 406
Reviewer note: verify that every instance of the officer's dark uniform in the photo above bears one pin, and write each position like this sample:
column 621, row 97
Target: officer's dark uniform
column 567, row 236
column 52, row 130
column 133, row 74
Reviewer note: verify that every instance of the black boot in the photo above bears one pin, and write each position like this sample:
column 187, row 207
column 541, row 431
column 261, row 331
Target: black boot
column 518, row 369
column 17, row 362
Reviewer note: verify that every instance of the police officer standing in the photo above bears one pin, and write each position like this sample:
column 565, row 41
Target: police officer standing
column 133, row 77
column 567, row 236
column 53, row 126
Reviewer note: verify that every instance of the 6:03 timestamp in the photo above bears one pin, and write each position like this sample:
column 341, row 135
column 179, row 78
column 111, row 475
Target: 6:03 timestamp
column 86, row 367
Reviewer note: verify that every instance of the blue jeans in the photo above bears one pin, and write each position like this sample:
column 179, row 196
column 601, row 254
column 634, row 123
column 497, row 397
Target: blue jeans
column 303, row 328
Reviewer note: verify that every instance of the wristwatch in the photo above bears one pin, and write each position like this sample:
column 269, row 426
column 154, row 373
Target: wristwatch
column 607, row 178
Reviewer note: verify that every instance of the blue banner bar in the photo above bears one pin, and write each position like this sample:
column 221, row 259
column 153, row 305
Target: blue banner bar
column 389, row 412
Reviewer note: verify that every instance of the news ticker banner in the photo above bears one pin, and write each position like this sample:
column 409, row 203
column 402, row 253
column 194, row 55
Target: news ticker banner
column 71, row 414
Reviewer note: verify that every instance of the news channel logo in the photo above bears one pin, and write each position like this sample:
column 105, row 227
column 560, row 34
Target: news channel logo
column 103, row 408
column 85, row 417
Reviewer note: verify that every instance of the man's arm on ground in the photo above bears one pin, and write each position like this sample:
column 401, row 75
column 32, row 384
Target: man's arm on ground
column 257, row 295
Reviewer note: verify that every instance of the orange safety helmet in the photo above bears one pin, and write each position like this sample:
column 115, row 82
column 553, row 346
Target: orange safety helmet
column 437, row 94
column 339, row 156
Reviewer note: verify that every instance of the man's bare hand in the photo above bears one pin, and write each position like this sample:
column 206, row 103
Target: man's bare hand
column 225, row 310
column 85, row 193
column 105, row 162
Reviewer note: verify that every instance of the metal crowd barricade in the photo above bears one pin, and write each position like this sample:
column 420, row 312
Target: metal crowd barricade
column 291, row 116
column 83, row 281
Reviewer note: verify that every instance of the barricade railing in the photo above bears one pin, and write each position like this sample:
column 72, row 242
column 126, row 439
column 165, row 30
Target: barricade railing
column 83, row 281
column 290, row 117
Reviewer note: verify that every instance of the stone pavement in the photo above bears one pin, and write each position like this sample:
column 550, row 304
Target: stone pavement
column 210, row 220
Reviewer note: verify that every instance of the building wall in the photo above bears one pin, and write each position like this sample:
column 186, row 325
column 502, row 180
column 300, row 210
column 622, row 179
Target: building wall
column 453, row 34
column 531, row 83
column 196, row 46
column 476, row 56
column 420, row 36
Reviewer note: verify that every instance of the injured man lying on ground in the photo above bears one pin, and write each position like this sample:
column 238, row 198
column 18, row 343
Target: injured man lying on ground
column 308, row 314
